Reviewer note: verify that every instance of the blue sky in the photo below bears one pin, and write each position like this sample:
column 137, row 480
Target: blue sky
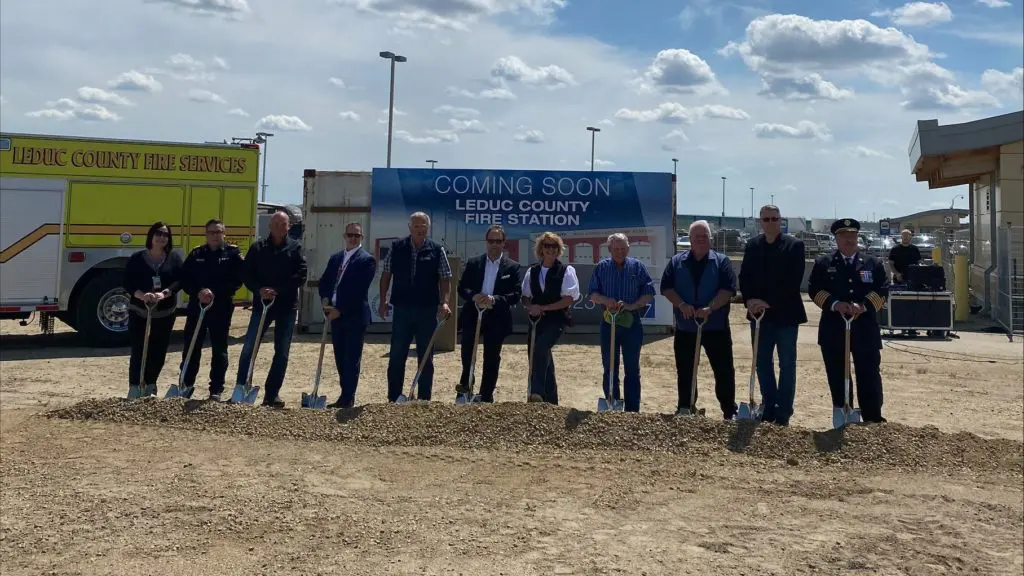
column 814, row 102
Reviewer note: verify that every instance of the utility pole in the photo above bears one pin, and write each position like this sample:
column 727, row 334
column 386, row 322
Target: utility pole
column 391, row 104
column 263, row 138
column 675, row 165
column 752, row 206
column 431, row 162
column 721, row 221
column 593, row 136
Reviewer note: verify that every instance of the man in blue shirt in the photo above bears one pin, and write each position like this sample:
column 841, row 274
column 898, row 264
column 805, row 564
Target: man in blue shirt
column 622, row 284
column 700, row 283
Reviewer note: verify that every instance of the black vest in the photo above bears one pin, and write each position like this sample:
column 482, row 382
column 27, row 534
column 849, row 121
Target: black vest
column 550, row 293
column 421, row 290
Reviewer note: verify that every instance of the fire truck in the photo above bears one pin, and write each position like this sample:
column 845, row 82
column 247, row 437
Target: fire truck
column 72, row 210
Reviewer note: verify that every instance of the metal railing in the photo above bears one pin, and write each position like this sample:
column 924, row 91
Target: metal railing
column 1008, row 308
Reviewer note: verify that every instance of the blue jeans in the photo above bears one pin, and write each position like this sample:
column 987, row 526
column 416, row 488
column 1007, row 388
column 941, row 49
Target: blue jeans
column 284, row 326
column 627, row 341
column 410, row 323
column 776, row 395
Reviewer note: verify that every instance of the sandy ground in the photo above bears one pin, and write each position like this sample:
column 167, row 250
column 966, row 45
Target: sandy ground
column 163, row 498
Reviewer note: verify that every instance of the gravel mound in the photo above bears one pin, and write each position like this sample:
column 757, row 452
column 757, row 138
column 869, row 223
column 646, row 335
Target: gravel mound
column 524, row 427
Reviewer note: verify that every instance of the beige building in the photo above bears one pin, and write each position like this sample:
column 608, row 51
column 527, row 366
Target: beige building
column 987, row 155
column 929, row 221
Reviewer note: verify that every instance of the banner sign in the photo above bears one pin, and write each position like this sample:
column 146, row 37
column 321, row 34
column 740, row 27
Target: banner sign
column 582, row 207
column 883, row 228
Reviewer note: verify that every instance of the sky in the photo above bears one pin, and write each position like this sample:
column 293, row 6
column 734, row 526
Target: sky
column 813, row 104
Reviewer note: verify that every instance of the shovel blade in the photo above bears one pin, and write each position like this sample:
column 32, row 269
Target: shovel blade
column 241, row 395
column 176, row 391
column 463, row 399
column 854, row 417
column 402, row 399
column 690, row 413
column 748, row 411
column 603, row 405
column 314, row 402
column 535, row 398
column 134, row 392
column 618, row 405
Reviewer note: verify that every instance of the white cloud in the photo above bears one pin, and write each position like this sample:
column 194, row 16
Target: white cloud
column 350, row 116
column 336, row 81
column 457, row 112
column 670, row 142
column 530, row 137
column 432, row 137
column 811, row 87
column 606, row 122
column 68, row 109
column 676, row 113
column 513, row 69
column 133, row 80
column 238, row 112
column 453, row 15
column 283, row 123
column 994, row 3
column 865, row 152
column 205, row 97
column 680, row 71
column 185, row 67
column 599, row 163
column 918, row 14
column 1007, row 84
column 804, row 130
column 230, row 9
column 471, row 126
column 100, row 96
column 500, row 93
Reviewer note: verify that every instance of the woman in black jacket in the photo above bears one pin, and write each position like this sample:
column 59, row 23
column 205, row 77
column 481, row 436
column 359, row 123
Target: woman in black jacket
column 151, row 279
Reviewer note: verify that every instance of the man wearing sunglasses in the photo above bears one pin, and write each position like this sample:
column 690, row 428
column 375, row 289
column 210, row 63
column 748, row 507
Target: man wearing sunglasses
column 491, row 281
column 770, row 278
column 343, row 289
column 211, row 273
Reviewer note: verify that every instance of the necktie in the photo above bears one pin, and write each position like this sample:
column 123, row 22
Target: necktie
column 344, row 264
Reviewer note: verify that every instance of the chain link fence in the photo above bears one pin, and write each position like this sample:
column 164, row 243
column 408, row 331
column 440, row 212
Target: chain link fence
column 1008, row 308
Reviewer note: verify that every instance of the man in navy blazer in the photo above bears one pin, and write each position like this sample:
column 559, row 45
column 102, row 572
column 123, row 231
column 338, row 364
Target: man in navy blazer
column 343, row 289
column 491, row 280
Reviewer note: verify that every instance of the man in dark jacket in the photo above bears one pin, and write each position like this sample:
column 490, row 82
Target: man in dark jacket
column 211, row 273
column 490, row 280
column 770, row 279
column 275, row 269
column 417, row 271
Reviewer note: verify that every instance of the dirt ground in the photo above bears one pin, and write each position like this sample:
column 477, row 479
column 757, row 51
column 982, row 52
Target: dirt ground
column 169, row 488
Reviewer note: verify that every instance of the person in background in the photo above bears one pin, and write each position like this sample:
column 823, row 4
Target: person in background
column 770, row 279
column 274, row 270
column 848, row 284
column 421, row 276
column 549, row 289
column 343, row 293
column 626, row 280
column 211, row 273
column 700, row 283
column 903, row 256
column 151, row 279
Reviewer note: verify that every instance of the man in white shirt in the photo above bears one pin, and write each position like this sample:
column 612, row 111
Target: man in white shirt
column 549, row 289
column 489, row 281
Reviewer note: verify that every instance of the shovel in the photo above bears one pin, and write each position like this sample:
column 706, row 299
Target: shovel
column 750, row 410
column 312, row 401
column 847, row 414
column 693, row 411
column 179, row 390
column 530, row 396
column 247, row 394
column 136, row 392
column 423, row 363
column 608, row 403
column 466, row 396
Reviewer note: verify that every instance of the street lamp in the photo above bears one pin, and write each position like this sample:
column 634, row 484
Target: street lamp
column 773, row 199
column 752, row 217
column 431, row 162
column 262, row 138
column 391, row 104
column 721, row 221
column 951, row 202
column 675, row 164
column 593, row 135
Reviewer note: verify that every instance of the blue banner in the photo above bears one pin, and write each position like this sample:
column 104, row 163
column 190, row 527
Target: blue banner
column 462, row 204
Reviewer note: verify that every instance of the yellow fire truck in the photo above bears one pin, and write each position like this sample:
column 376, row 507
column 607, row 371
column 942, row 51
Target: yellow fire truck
column 73, row 209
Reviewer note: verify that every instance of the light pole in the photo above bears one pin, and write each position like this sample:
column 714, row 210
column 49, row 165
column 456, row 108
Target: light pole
column 721, row 221
column 391, row 104
column 593, row 135
column 262, row 138
column 752, row 206
column 431, row 162
column 951, row 202
column 675, row 165
column 773, row 199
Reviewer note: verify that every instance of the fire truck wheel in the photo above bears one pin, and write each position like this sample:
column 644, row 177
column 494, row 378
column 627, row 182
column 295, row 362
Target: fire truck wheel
column 101, row 312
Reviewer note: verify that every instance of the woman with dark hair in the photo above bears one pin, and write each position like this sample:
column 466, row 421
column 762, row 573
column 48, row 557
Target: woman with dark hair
column 151, row 279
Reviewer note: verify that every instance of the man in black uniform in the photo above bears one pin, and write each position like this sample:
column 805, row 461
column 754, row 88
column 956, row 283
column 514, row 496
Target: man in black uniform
column 902, row 256
column 847, row 283
column 212, row 271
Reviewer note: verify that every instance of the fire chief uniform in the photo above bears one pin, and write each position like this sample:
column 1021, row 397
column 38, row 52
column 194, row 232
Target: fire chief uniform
column 856, row 279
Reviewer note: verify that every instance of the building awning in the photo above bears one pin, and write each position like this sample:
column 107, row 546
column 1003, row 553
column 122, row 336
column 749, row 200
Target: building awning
column 958, row 154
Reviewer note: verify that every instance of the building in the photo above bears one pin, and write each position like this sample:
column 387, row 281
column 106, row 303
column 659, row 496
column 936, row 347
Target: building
column 683, row 221
column 987, row 156
column 929, row 221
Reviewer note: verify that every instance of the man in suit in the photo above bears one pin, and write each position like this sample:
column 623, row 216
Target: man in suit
column 848, row 283
column 492, row 281
column 343, row 293
column 770, row 278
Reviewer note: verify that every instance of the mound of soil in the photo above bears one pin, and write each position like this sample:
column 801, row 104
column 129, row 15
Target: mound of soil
column 520, row 426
